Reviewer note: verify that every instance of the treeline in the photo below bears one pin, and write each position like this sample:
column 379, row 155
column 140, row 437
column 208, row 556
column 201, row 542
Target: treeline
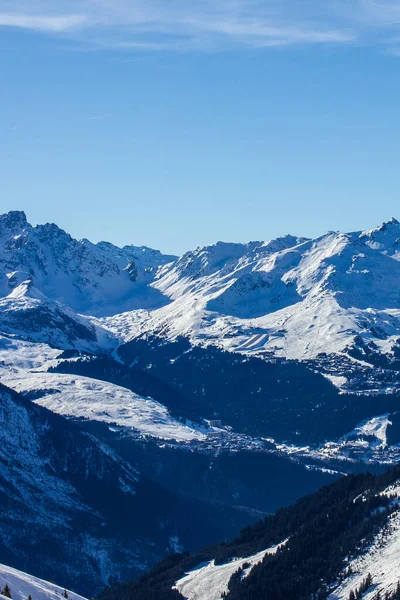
column 366, row 584
column 282, row 399
column 323, row 529
column 313, row 557
column 389, row 596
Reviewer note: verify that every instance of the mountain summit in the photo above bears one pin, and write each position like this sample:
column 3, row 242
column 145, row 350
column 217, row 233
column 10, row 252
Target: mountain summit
column 89, row 278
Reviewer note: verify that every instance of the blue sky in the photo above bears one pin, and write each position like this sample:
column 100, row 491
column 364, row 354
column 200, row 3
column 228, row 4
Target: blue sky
column 175, row 124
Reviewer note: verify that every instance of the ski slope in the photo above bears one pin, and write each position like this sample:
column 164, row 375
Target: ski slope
column 209, row 581
column 23, row 585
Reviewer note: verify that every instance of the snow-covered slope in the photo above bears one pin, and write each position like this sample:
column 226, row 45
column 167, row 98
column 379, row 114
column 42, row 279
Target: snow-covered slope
column 343, row 543
column 385, row 238
column 45, row 469
column 210, row 581
column 29, row 315
column 293, row 298
column 22, row 586
column 24, row 366
column 290, row 297
column 71, row 509
column 89, row 278
column 299, row 301
column 381, row 560
column 344, row 538
column 85, row 398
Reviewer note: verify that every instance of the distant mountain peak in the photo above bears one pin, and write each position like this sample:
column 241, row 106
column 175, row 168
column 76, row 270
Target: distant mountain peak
column 387, row 224
column 98, row 279
column 385, row 238
column 14, row 220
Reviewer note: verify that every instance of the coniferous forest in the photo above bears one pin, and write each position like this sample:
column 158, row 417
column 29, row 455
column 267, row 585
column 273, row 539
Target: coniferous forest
column 322, row 530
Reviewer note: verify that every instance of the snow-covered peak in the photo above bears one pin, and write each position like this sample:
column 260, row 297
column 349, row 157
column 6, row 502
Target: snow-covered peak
column 385, row 238
column 290, row 297
column 148, row 257
column 282, row 243
column 93, row 279
column 223, row 258
column 13, row 222
column 356, row 274
column 205, row 260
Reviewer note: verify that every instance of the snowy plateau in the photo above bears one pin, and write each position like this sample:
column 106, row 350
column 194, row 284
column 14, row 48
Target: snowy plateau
column 279, row 356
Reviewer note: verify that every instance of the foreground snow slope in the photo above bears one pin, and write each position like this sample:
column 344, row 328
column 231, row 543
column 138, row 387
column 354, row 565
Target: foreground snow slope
column 210, row 581
column 23, row 585
column 381, row 560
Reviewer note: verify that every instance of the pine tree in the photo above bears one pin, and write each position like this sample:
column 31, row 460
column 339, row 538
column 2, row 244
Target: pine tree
column 6, row 591
column 397, row 595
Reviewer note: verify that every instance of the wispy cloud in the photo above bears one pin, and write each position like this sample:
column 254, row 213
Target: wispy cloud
column 57, row 23
column 204, row 24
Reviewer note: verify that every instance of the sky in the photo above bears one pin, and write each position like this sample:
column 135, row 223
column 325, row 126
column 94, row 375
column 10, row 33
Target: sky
column 175, row 124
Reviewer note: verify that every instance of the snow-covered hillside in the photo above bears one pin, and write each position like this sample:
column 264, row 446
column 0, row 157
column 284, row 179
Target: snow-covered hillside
column 89, row 278
column 73, row 510
column 210, row 581
column 343, row 543
column 297, row 299
column 24, row 366
column 85, row 398
column 45, row 467
column 332, row 302
column 128, row 344
column 22, row 586
column 290, row 297
column 381, row 560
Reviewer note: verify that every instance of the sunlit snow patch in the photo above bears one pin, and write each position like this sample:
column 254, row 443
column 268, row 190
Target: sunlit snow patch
column 209, row 581
column 92, row 399
column 23, row 585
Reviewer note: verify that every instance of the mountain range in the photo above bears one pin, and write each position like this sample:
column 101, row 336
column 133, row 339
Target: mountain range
column 138, row 389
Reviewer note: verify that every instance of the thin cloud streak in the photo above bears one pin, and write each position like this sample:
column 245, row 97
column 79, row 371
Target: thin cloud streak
column 178, row 25
column 58, row 23
column 268, row 32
